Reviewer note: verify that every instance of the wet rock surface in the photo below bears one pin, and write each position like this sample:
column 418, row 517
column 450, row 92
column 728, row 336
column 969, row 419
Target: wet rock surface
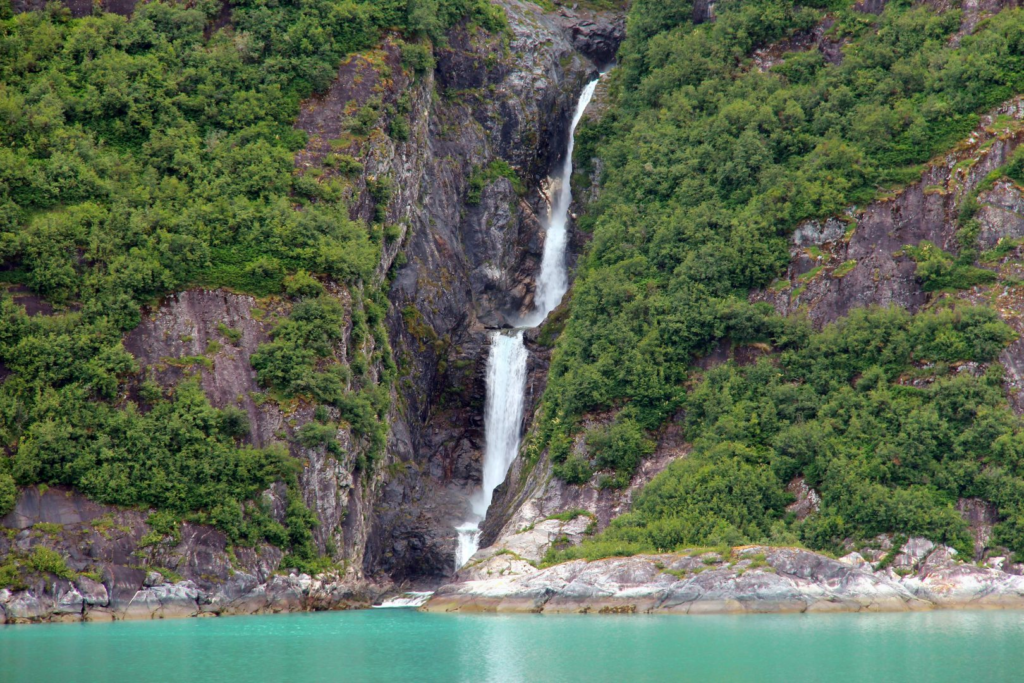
column 471, row 260
column 596, row 35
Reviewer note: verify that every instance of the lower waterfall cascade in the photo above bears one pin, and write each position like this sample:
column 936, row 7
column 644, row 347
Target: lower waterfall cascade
column 406, row 600
column 507, row 360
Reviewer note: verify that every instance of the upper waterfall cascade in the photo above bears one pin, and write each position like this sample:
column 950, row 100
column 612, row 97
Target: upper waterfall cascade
column 506, row 363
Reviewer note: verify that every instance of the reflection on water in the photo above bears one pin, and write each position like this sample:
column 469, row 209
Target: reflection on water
column 403, row 645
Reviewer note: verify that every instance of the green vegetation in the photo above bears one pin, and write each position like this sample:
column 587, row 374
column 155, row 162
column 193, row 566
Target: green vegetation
column 143, row 155
column 710, row 163
column 302, row 360
column 180, row 455
column 47, row 561
column 8, row 493
column 17, row 566
column 844, row 268
column 939, row 270
column 482, row 177
column 570, row 515
column 619, row 446
column 834, row 407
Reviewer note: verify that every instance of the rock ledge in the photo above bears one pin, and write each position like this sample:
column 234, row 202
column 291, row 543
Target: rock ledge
column 750, row 579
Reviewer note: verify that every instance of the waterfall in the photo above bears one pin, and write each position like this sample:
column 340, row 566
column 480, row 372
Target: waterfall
column 506, row 363
column 553, row 281
column 506, row 383
column 409, row 599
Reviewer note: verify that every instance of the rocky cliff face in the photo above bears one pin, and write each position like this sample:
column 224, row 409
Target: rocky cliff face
column 857, row 260
column 472, row 254
column 534, row 511
column 119, row 570
column 122, row 568
column 461, row 194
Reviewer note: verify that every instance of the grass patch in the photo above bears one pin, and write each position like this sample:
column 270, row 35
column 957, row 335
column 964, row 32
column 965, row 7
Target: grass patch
column 572, row 514
column 844, row 268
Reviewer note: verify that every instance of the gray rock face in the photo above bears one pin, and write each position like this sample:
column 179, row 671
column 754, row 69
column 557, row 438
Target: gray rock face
column 470, row 264
column 818, row 38
column 66, row 601
column 101, row 548
column 593, row 34
column 190, row 324
column 749, row 579
column 807, row 499
column 980, row 516
column 1001, row 214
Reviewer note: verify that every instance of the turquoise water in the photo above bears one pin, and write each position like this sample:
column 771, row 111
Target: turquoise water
column 403, row 645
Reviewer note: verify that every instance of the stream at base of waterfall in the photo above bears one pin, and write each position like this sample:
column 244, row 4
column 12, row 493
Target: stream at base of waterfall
column 506, row 362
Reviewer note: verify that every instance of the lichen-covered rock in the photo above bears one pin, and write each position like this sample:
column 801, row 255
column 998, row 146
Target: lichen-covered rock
column 164, row 600
column 749, row 579
column 1001, row 214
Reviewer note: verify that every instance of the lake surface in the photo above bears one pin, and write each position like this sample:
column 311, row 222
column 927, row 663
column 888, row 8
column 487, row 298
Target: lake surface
column 403, row 645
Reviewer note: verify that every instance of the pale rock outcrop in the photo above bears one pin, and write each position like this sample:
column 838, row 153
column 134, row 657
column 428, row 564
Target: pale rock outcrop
column 748, row 579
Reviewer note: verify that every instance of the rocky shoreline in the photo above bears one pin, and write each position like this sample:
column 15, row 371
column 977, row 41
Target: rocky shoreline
column 87, row 600
column 751, row 579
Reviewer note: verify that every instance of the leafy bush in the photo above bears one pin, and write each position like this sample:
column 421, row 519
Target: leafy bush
column 620, row 446
column 938, row 270
column 345, row 164
column 47, row 561
column 417, row 58
column 8, row 493
column 302, row 285
column 575, row 469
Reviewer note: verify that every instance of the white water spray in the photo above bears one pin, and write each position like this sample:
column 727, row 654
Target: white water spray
column 506, row 363
column 506, row 382
column 410, row 599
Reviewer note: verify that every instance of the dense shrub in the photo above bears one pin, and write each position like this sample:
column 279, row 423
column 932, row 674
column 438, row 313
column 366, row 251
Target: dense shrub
column 620, row 446
column 709, row 163
column 142, row 155
column 8, row 493
column 886, row 455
